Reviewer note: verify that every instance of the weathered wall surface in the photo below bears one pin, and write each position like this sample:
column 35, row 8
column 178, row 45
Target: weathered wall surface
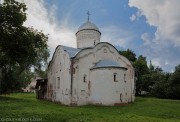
column 74, row 77
column 106, row 91
column 82, row 69
column 90, row 85
column 59, row 77
column 99, row 87
column 87, row 38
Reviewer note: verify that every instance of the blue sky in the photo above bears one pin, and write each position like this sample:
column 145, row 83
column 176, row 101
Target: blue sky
column 148, row 27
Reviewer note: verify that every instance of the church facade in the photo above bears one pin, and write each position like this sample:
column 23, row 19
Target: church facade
column 92, row 73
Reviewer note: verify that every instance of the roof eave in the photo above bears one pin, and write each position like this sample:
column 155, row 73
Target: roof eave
column 108, row 67
column 88, row 29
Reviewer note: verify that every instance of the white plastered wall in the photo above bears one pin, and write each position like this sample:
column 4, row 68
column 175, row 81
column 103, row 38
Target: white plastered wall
column 86, row 38
column 85, row 60
column 59, row 77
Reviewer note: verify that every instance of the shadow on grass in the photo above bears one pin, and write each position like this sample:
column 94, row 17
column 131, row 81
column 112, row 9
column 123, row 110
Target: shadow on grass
column 8, row 98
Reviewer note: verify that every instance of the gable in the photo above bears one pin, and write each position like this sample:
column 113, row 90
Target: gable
column 103, row 50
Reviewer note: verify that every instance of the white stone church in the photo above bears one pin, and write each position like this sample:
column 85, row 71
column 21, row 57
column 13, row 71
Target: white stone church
column 92, row 73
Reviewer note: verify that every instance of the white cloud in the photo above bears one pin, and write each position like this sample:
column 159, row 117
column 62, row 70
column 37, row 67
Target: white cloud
column 162, row 14
column 43, row 18
column 164, row 48
column 60, row 32
column 133, row 17
column 117, row 36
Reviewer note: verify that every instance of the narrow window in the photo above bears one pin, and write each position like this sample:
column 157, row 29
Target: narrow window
column 124, row 77
column 94, row 42
column 115, row 77
column 83, row 92
column 84, row 78
column 121, row 97
column 105, row 51
column 58, row 84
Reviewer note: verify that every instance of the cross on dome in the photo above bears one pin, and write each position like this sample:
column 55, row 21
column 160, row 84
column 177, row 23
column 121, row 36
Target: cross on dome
column 88, row 13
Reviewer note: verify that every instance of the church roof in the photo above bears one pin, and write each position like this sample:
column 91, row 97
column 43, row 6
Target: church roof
column 106, row 63
column 88, row 25
column 71, row 51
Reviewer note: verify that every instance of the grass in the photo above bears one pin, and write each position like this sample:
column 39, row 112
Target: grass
column 25, row 107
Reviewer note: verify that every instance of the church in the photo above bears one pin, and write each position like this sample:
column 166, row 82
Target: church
column 93, row 73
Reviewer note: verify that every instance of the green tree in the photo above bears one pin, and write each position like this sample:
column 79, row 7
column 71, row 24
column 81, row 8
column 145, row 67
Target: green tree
column 167, row 85
column 20, row 47
column 129, row 54
column 141, row 69
column 153, row 80
column 161, row 84
column 174, row 84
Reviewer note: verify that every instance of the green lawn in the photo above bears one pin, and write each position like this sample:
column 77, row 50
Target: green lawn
column 24, row 107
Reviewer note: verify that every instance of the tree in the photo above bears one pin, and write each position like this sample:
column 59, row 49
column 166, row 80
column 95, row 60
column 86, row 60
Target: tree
column 20, row 47
column 153, row 80
column 129, row 54
column 174, row 84
column 161, row 84
column 141, row 69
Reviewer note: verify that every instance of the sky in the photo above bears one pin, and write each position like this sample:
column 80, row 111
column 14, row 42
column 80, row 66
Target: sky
column 148, row 27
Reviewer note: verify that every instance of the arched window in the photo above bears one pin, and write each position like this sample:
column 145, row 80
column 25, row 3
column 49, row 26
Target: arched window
column 58, row 82
column 84, row 78
column 124, row 77
column 105, row 51
column 121, row 97
column 115, row 77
